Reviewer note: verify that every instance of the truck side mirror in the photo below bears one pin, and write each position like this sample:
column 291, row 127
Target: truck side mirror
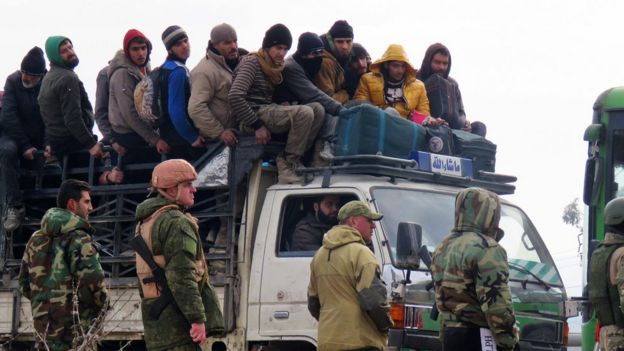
column 409, row 241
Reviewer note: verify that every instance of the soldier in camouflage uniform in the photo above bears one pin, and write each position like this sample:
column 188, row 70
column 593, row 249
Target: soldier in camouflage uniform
column 59, row 260
column 471, row 273
column 173, row 239
column 606, row 283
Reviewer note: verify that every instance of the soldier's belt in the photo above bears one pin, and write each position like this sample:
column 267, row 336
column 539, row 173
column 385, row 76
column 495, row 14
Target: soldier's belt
column 450, row 320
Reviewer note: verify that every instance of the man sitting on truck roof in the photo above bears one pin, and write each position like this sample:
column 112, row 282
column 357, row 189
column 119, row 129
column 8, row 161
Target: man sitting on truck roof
column 136, row 139
column 212, row 79
column 178, row 130
column 59, row 261
column 359, row 65
column 251, row 99
column 64, row 104
column 445, row 100
column 392, row 83
column 23, row 130
column 338, row 42
column 298, row 88
column 309, row 231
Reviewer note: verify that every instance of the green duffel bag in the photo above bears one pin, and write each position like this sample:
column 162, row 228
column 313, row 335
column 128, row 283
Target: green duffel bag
column 368, row 130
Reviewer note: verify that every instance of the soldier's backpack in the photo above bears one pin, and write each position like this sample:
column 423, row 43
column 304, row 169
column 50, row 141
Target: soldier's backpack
column 443, row 97
column 368, row 130
column 150, row 96
column 481, row 151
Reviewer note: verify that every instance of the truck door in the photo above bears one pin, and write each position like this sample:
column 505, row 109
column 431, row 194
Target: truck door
column 285, row 272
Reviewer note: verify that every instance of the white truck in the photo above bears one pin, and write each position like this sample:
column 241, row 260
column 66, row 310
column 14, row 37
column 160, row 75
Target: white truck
column 263, row 284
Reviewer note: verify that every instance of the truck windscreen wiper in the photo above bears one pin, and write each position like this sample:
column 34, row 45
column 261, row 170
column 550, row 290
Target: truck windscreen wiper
column 524, row 270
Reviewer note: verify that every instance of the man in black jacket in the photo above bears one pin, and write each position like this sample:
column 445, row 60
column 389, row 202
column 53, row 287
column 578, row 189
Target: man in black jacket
column 308, row 235
column 23, row 130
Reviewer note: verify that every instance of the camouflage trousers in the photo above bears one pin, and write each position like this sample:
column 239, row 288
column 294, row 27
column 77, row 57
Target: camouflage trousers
column 611, row 338
column 301, row 122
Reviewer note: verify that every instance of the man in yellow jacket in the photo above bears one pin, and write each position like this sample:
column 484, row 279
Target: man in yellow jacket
column 346, row 294
column 392, row 83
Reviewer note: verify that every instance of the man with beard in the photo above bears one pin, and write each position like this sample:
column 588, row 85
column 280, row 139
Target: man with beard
column 434, row 72
column 178, row 130
column 359, row 64
column 331, row 77
column 125, row 71
column 60, row 261
column 308, row 235
column 392, row 83
column 23, row 130
column 251, row 99
column 212, row 78
column 298, row 88
column 64, row 104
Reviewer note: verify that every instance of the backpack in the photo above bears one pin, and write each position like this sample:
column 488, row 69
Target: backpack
column 149, row 95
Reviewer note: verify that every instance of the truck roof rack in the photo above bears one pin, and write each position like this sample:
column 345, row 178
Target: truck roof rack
column 396, row 168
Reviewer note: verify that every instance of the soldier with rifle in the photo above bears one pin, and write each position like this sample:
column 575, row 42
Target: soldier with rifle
column 179, row 306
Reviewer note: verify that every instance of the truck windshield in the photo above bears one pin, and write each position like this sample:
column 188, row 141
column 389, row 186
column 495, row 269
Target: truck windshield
column 434, row 212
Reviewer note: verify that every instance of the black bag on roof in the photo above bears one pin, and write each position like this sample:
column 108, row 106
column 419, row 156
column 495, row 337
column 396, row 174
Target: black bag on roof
column 439, row 140
column 481, row 151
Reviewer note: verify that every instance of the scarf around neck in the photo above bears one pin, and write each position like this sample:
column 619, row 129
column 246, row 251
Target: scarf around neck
column 272, row 70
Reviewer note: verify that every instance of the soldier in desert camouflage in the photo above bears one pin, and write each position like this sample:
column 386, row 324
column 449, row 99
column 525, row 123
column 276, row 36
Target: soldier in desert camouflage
column 471, row 273
column 60, row 260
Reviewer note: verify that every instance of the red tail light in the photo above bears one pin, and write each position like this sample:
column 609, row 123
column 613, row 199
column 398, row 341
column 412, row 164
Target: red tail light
column 397, row 313
column 597, row 335
column 566, row 333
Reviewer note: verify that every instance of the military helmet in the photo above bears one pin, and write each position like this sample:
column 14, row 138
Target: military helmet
column 614, row 212
column 172, row 172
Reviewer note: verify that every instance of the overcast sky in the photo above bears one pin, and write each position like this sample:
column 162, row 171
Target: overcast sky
column 529, row 69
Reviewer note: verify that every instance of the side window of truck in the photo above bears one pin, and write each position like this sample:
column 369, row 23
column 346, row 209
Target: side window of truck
column 304, row 220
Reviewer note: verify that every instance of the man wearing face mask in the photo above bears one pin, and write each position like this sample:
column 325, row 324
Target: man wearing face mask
column 298, row 88
column 471, row 274
column 308, row 235
column 23, row 130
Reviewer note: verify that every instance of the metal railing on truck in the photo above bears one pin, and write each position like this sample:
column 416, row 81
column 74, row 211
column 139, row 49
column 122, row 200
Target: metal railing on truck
column 113, row 216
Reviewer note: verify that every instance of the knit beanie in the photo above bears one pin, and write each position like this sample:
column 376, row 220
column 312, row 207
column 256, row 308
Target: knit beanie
column 172, row 35
column 358, row 51
column 278, row 34
column 308, row 43
column 52, row 46
column 34, row 63
column 133, row 34
column 341, row 29
column 222, row 32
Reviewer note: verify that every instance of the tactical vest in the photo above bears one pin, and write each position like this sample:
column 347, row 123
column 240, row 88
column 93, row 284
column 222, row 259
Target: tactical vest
column 148, row 286
column 603, row 295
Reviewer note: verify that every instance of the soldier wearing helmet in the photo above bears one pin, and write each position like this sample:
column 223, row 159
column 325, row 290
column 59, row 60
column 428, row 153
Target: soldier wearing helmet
column 606, row 278
column 191, row 310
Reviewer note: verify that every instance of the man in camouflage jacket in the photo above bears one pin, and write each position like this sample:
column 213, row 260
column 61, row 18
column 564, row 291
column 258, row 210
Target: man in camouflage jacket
column 194, row 312
column 60, row 261
column 471, row 273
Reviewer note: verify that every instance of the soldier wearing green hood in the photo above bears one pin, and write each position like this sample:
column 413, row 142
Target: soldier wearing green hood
column 471, row 274
column 606, row 283
column 64, row 104
column 59, row 261
column 189, row 311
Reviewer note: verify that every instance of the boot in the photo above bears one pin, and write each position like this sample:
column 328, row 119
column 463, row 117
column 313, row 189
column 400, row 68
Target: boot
column 317, row 159
column 327, row 153
column 286, row 169
column 13, row 218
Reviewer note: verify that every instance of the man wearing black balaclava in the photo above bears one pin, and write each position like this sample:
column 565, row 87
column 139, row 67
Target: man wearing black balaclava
column 298, row 88
column 308, row 235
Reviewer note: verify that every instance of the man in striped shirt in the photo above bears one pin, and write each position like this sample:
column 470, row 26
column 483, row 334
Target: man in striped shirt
column 251, row 100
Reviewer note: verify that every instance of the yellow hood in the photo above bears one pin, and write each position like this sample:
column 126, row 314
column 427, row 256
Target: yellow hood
column 395, row 52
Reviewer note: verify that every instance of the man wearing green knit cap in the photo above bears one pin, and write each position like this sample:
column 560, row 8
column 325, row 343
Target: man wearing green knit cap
column 64, row 104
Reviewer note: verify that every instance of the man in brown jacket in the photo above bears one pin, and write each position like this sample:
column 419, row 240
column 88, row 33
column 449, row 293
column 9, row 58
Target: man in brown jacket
column 338, row 44
column 346, row 294
column 208, row 106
